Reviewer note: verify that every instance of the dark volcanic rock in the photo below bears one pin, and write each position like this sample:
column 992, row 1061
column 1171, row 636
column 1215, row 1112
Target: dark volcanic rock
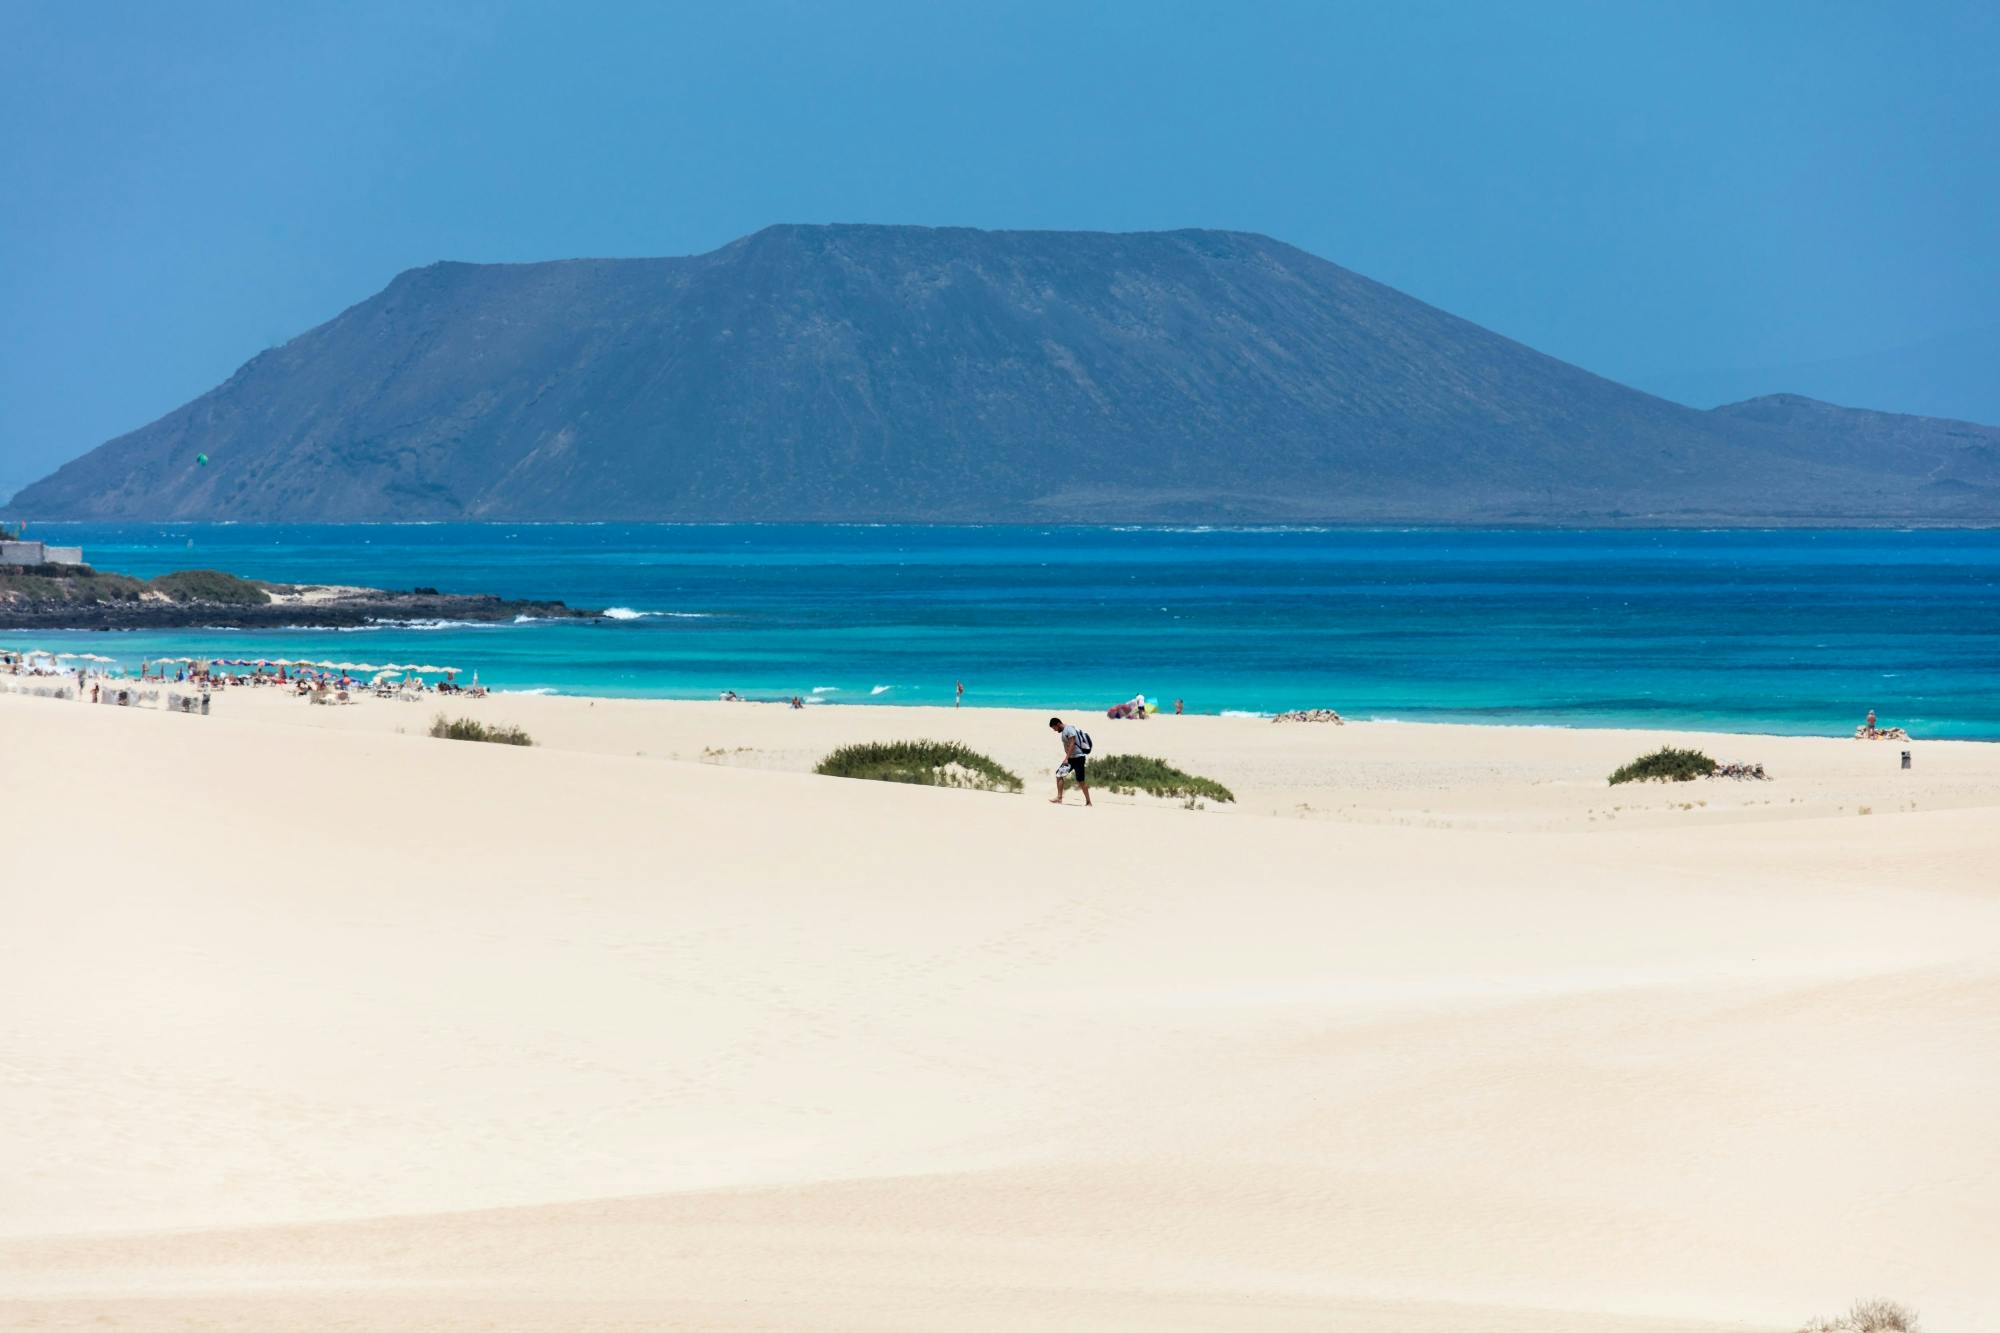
column 916, row 374
column 362, row 606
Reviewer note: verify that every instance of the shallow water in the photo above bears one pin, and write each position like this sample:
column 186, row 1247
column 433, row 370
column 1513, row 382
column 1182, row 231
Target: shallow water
column 1779, row 631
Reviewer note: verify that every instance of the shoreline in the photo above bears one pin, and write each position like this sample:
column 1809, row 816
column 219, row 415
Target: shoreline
column 1087, row 714
column 289, row 607
column 1443, row 718
column 1430, row 774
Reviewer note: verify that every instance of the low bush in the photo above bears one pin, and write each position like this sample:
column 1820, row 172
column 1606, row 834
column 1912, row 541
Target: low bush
column 1875, row 1316
column 470, row 729
column 1666, row 765
column 925, row 763
column 1129, row 773
column 210, row 585
column 62, row 583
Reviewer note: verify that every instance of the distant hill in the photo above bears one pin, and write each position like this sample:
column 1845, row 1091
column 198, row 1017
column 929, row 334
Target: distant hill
column 860, row 373
column 1953, row 369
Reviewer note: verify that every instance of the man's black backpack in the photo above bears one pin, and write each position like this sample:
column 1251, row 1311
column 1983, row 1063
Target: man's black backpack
column 1082, row 741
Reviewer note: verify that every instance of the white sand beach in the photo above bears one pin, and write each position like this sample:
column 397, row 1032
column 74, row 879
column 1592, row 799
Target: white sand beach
column 316, row 1022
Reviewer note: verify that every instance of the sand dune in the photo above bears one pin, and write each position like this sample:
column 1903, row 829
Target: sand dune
column 315, row 1024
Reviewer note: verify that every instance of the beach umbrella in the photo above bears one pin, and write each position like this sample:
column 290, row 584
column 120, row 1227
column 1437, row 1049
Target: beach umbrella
column 434, row 670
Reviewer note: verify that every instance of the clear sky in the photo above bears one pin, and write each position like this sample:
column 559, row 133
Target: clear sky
column 1708, row 200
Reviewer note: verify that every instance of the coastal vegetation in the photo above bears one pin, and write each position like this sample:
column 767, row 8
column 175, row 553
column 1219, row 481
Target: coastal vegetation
column 81, row 585
column 471, row 729
column 925, row 763
column 1127, row 774
column 53, row 596
column 1869, row 1316
column 1666, row 765
column 210, row 585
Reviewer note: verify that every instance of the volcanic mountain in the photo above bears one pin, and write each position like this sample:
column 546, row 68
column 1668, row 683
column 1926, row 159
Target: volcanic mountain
column 910, row 374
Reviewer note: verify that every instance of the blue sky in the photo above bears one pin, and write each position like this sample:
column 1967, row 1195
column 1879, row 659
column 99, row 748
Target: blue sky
column 1703, row 199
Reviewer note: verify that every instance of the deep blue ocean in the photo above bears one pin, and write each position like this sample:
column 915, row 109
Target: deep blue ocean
column 1790, row 631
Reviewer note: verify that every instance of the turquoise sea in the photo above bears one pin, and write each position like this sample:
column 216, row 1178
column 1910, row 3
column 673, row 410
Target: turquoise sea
column 1791, row 631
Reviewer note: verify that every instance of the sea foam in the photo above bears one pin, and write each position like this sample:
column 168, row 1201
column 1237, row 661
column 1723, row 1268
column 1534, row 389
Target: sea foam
column 627, row 613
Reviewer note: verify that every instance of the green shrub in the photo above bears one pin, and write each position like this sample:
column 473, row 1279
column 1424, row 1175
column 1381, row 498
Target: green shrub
column 925, row 763
column 1129, row 773
column 470, row 729
column 210, row 585
column 63, row 583
column 1666, row 765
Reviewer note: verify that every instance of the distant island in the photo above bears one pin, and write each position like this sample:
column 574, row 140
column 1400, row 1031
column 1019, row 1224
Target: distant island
column 908, row 374
column 76, row 596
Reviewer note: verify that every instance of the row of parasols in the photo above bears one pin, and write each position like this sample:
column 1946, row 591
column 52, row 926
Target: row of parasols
column 55, row 657
column 318, row 666
column 380, row 672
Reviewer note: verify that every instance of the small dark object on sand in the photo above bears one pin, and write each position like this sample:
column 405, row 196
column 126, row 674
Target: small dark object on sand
column 1754, row 772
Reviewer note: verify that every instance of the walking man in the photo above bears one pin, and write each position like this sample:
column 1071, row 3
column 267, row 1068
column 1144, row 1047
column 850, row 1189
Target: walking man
column 1076, row 756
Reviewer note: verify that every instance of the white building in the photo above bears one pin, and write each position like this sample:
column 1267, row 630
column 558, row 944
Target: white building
column 39, row 553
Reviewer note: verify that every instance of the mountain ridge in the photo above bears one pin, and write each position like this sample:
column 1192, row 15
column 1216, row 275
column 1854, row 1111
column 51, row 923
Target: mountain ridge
column 856, row 372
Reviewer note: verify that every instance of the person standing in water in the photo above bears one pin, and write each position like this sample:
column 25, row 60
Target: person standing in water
column 1076, row 757
column 959, row 702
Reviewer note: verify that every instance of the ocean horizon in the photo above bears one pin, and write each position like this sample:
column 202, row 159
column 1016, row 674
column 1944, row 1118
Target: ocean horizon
column 1793, row 631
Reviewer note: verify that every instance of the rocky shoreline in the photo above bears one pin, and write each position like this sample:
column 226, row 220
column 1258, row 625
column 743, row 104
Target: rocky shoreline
column 286, row 606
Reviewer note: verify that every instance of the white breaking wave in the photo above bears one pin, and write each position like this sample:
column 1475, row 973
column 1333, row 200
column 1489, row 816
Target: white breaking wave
column 539, row 689
column 428, row 624
column 882, row 689
column 627, row 613
column 1238, row 712
column 826, row 689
